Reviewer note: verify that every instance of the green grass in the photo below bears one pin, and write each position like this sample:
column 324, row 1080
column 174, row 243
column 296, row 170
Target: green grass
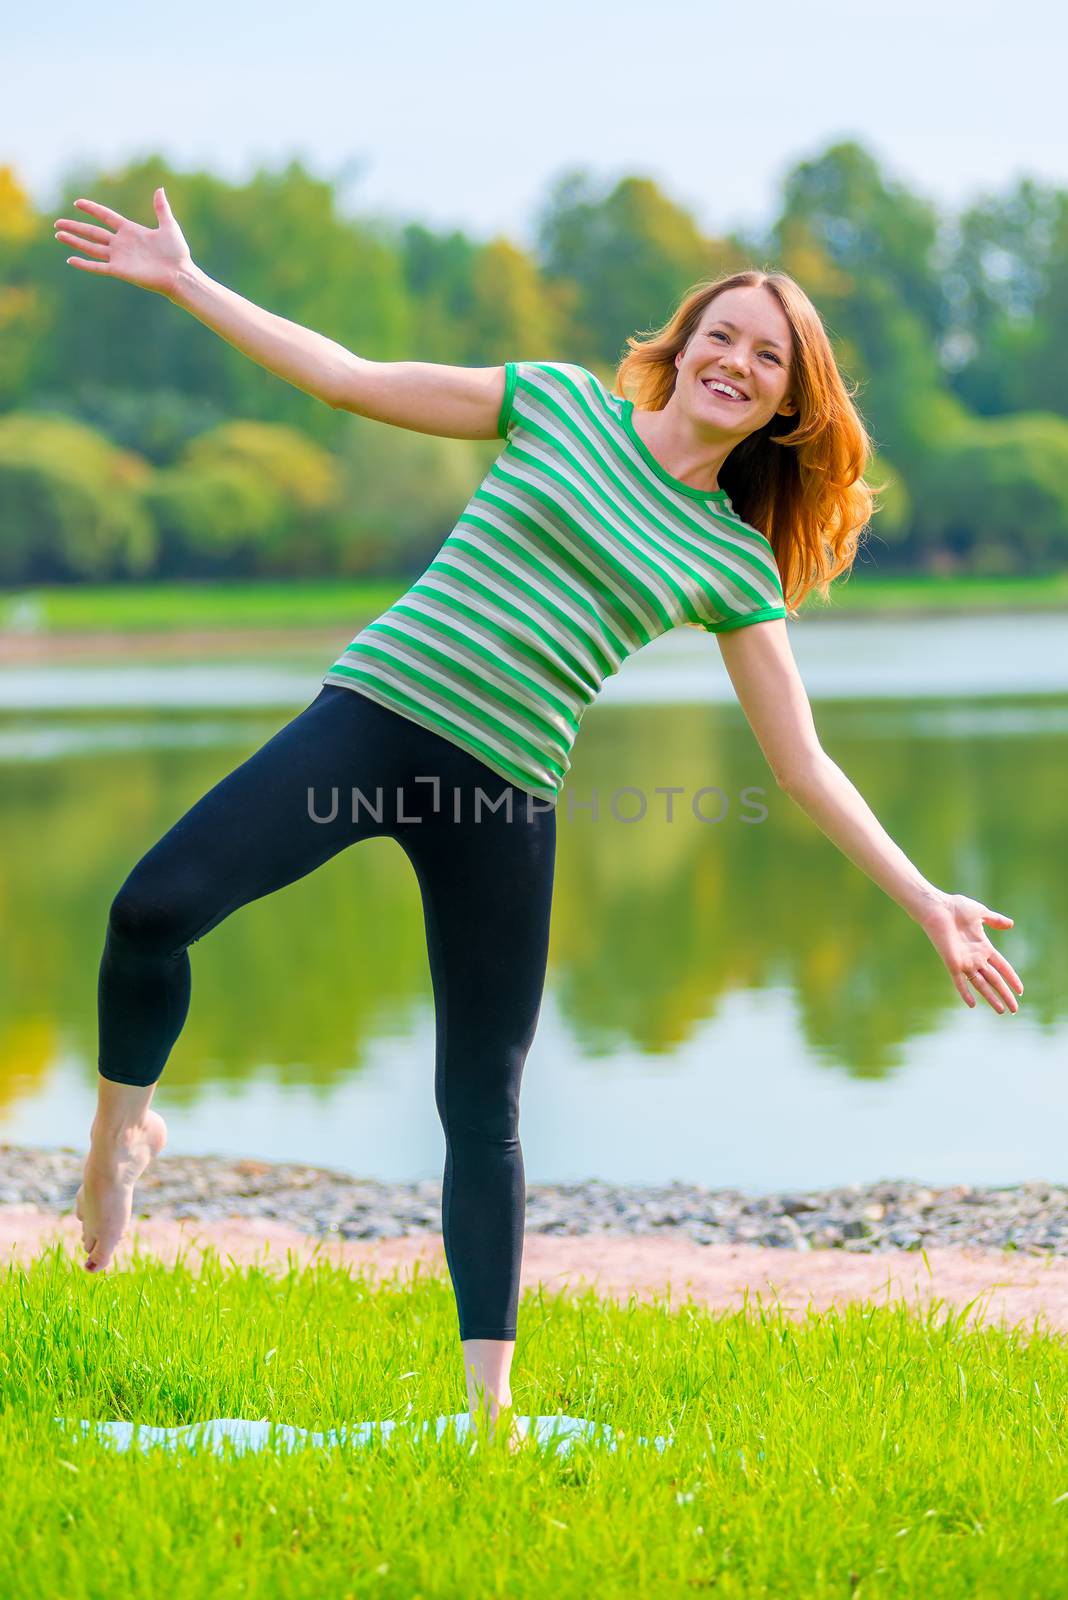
column 874, row 1452
column 332, row 603
column 155, row 607
column 863, row 591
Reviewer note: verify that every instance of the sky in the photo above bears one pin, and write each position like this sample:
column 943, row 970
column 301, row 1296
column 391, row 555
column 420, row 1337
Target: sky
column 463, row 112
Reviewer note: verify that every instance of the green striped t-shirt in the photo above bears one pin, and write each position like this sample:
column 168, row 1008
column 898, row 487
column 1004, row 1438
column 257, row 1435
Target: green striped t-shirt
column 576, row 549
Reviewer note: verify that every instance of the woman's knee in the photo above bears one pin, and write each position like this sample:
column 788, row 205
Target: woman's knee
column 154, row 916
column 482, row 1102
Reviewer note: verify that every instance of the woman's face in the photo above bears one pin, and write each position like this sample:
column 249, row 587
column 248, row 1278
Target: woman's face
column 743, row 341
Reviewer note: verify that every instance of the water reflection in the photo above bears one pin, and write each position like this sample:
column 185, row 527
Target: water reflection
column 707, row 980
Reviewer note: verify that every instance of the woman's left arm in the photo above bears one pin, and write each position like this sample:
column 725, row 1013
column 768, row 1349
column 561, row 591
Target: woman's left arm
column 764, row 673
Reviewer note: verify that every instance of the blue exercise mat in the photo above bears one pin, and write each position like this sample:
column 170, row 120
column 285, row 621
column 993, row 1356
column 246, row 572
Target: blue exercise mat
column 561, row 1431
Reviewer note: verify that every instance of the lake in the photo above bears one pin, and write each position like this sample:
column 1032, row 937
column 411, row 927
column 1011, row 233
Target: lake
column 729, row 1000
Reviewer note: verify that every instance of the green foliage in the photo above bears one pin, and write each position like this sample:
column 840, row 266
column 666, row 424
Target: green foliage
column 627, row 256
column 24, row 314
column 474, row 301
column 303, row 481
column 892, row 517
column 1008, row 288
column 869, row 229
column 939, row 321
column 211, row 517
column 245, row 499
column 997, row 494
column 154, row 423
column 402, row 493
column 71, row 503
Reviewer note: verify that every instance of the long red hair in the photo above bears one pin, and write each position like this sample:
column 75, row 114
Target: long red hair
column 799, row 480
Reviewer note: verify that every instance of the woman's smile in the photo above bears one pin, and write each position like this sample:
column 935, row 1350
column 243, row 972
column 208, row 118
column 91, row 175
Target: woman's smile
column 738, row 398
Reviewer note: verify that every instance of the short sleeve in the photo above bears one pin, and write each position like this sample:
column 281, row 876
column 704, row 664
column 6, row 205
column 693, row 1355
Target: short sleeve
column 536, row 388
column 767, row 602
column 504, row 420
column 764, row 614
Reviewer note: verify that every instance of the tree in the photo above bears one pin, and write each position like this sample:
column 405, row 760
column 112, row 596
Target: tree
column 995, row 497
column 71, row 503
column 277, row 241
column 1006, row 278
column 628, row 255
column 305, row 478
column 25, row 310
column 402, row 494
column 516, row 315
column 869, row 228
column 246, row 498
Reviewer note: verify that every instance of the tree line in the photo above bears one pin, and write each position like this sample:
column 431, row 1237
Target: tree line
column 134, row 443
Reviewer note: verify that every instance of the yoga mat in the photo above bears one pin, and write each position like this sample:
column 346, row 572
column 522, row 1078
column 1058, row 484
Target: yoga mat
column 243, row 1434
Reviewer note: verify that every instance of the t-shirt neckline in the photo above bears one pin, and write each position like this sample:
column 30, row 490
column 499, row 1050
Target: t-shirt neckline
column 718, row 496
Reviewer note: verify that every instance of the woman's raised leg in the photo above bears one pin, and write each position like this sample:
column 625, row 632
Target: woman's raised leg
column 263, row 826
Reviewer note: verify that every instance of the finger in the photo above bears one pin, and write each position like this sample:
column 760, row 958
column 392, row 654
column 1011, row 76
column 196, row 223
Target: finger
column 984, row 986
column 961, row 981
column 1003, row 965
column 87, row 230
column 84, row 244
column 88, row 266
column 1000, row 987
column 999, row 917
column 105, row 213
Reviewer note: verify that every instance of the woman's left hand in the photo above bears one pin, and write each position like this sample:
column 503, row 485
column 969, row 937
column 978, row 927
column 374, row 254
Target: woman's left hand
column 954, row 925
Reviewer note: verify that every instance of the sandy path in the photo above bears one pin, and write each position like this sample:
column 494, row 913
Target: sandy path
column 194, row 643
column 1013, row 1288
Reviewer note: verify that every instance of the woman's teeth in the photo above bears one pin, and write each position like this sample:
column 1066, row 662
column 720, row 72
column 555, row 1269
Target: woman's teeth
column 738, row 399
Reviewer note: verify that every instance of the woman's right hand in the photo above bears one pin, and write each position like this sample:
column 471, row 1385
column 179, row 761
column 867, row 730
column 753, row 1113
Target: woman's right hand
column 152, row 258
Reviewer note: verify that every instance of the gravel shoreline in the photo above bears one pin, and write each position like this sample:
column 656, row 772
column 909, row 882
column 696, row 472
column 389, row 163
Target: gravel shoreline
column 867, row 1218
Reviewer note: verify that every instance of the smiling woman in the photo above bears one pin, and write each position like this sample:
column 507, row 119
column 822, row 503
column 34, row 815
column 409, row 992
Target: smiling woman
column 718, row 493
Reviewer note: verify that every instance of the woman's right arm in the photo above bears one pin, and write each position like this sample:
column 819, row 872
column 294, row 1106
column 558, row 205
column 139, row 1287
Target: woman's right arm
column 425, row 397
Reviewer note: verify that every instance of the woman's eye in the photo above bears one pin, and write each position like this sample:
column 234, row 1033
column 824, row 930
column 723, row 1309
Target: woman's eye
column 717, row 333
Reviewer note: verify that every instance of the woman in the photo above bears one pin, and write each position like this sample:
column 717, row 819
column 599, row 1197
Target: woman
column 602, row 524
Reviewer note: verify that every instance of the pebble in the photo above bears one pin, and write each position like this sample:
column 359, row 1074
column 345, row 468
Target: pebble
column 887, row 1215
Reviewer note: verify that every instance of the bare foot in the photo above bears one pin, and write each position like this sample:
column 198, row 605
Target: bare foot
column 104, row 1203
column 516, row 1438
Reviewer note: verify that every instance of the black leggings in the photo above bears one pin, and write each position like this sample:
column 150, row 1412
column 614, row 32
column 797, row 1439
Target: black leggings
column 484, row 855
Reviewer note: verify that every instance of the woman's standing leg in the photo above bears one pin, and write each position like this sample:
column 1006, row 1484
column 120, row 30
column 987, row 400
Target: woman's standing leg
column 487, row 886
column 263, row 826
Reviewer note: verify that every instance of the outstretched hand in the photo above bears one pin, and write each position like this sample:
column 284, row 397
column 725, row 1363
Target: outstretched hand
column 151, row 258
column 954, row 926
